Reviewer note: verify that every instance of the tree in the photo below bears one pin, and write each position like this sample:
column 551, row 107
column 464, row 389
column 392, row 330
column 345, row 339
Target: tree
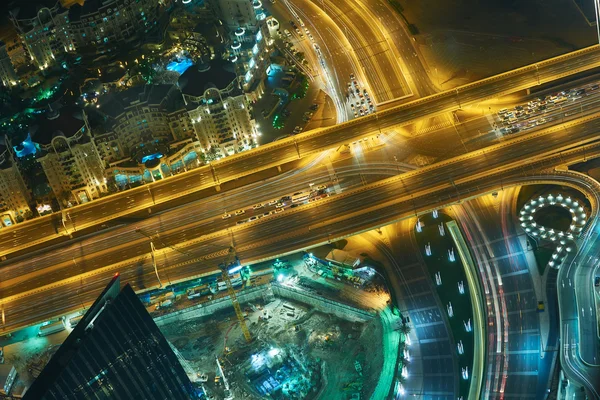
column 405, row 329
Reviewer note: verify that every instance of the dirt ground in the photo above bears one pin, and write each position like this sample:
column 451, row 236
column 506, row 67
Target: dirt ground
column 333, row 343
column 466, row 40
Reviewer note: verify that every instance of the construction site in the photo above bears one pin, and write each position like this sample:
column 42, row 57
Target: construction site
column 294, row 331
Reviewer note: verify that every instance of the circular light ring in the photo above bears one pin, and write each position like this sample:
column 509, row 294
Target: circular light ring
column 579, row 219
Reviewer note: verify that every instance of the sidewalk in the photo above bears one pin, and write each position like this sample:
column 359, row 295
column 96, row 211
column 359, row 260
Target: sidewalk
column 391, row 341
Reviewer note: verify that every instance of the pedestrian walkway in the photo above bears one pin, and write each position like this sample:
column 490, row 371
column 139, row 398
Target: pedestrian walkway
column 391, row 343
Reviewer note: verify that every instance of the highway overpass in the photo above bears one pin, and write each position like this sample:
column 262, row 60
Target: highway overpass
column 44, row 229
column 70, row 278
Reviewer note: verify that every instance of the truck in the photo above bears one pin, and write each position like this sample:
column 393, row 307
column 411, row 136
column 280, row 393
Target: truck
column 51, row 328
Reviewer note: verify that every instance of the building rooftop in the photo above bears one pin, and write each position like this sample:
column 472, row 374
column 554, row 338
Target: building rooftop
column 167, row 96
column 215, row 74
column 115, row 351
column 31, row 10
column 88, row 7
column 66, row 122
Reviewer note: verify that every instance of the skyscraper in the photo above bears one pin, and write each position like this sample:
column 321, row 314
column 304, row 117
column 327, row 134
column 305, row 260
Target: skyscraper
column 115, row 352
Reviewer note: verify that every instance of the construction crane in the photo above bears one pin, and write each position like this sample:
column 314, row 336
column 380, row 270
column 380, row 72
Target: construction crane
column 232, row 260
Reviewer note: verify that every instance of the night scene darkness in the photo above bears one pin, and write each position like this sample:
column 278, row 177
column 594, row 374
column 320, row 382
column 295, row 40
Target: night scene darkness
column 300, row 199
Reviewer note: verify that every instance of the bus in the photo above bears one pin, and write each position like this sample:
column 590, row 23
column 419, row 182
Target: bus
column 300, row 197
column 73, row 321
column 234, row 282
column 49, row 329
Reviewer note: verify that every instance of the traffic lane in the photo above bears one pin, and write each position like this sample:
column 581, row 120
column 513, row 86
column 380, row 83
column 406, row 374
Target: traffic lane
column 160, row 223
column 519, row 78
column 515, row 78
column 588, row 331
column 368, row 58
column 137, row 245
column 471, row 161
column 282, row 244
column 391, row 23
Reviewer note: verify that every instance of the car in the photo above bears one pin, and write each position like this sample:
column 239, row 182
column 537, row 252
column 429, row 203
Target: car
column 311, row 37
column 297, row 129
column 352, row 105
column 361, row 112
column 287, row 198
column 241, row 222
column 240, row 212
column 321, row 187
column 325, row 195
column 314, row 107
column 296, row 194
column 355, row 114
column 253, row 218
column 540, row 121
column 279, row 205
column 306, row 30
column 294, row 205
column 355, row 83
column 225, row 216
column 278, row 210
column 352, row 76
column 357, row 91
column 257, row 206
column 519, row 108
column 273, row 202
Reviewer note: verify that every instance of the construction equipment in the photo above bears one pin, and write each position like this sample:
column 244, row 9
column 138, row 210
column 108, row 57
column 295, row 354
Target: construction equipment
column 232, row 260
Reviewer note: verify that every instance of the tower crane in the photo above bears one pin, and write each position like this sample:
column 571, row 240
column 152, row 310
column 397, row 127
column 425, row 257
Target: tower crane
column 233, row 260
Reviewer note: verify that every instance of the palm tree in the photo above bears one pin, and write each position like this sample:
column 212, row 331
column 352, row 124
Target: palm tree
column 405, row 329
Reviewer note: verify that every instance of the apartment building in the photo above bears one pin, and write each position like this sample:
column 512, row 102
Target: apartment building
column 141, row 122
column 44, row 31
column 14, row 195
column 8, row 77
column 68, row 155
column 218, row 108
column 99, row 27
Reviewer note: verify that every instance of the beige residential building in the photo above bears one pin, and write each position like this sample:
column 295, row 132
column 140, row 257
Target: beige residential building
column 44, row 30
column 142, row 121
column 14, row 195
column 68, row 156
column 8, row 77
column 102, row 26
column 218, row 108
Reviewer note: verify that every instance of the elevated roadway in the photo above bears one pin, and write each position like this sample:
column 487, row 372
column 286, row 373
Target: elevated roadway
column 45, row 229
column 195, row 250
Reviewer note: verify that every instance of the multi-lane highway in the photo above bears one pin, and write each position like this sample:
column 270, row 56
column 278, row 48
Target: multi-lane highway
column 276, row 154
column 514, row 336
column 202, row 242
column 269, row 156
